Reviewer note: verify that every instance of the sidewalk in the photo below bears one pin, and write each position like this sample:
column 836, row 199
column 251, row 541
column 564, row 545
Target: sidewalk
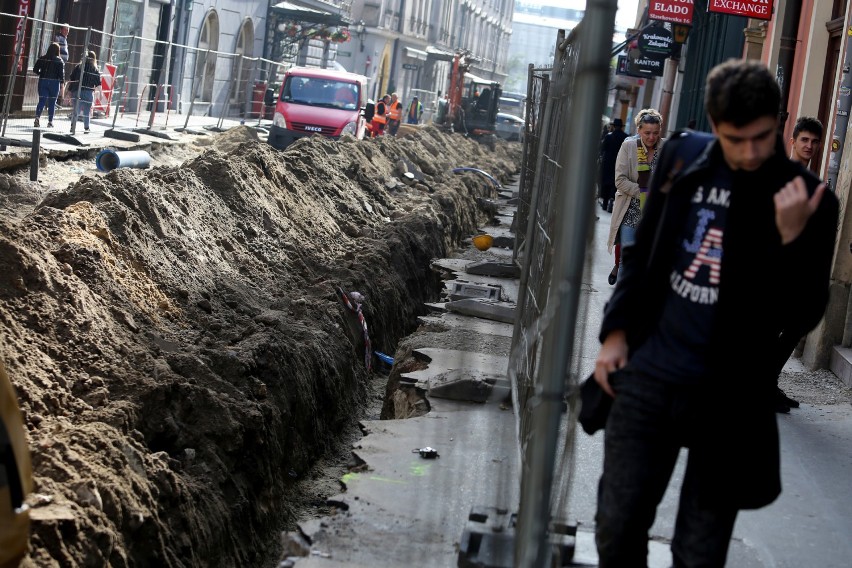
column 58, row 140
column 400, row 509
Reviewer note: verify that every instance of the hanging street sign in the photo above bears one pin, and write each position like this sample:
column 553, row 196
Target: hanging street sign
column 674, row 11
column 342, row 53
column 646, row 65
column 758, row 9
column 656, row 40
column 623, row 69
column 410, row 66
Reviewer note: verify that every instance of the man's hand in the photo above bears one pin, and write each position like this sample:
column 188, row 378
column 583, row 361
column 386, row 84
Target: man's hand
column 611, row 357
column 793, row 208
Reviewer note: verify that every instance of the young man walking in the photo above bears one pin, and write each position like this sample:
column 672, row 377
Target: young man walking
column 724, row 241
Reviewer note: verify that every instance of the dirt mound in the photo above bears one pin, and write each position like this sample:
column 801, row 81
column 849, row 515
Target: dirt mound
column 176, row 342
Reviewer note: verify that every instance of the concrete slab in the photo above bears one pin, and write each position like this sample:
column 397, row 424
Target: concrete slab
column 490, row 268
column 460, row 289
column 410, row 511
column 497, row 311
column 461, row 375
column 473, row 325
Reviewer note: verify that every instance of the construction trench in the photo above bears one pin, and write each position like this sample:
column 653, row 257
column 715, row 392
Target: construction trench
column 186, row 370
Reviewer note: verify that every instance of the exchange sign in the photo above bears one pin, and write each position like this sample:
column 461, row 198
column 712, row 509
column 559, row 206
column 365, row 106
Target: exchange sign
column 758, row 9
column 674, row 11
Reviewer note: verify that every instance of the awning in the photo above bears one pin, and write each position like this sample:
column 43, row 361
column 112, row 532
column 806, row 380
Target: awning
column 416, row 53
column 299, row 13
column 478, row 80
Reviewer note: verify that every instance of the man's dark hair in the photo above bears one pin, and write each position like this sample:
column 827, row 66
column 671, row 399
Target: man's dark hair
column 807, row 124
column 741, row 91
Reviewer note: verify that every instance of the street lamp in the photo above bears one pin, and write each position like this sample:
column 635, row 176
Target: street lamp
column 360, row 31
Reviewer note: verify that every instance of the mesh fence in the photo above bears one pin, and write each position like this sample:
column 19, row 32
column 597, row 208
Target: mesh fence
column 554, row 229
column 144, row 83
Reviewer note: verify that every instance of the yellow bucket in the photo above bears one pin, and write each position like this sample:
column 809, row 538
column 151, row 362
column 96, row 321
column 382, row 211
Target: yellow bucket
column 483, row 242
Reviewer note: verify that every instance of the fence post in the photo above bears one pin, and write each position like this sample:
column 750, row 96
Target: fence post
column 123, row 92
column 227, row 103
column 192, row 87
column 76, row 110
column 248, row 89
column 13, row 75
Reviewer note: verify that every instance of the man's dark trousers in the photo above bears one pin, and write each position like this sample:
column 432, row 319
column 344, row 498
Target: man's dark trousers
column 649, row 422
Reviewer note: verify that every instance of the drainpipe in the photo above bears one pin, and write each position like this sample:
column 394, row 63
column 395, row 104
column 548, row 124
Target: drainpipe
column 787, row 54
column 669, row 74
column 841, row 118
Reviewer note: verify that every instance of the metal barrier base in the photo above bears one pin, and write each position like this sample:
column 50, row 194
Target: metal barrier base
column 122, row 135
column 488, row 540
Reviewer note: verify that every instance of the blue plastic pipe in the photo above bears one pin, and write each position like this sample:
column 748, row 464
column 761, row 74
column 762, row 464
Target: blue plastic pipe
column 108, row 160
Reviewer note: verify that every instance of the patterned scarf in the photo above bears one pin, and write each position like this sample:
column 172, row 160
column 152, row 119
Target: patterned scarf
column 645, row 169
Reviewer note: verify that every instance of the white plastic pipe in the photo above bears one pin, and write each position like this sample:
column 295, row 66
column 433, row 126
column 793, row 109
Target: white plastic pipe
column 108, row 160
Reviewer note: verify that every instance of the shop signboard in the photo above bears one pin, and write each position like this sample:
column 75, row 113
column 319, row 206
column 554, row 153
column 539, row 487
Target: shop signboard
column 656, row 40
column 674, row 11
column 757, row 9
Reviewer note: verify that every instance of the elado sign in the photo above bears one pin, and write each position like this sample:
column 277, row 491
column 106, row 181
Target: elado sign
column 674, row 11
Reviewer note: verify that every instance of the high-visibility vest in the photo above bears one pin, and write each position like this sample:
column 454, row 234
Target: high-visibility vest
column 395, row 111
column 381, row 109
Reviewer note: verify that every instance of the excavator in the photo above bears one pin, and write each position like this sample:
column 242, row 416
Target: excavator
column 471, row 103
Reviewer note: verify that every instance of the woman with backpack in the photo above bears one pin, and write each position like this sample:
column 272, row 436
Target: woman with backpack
column 51, row 76
column 82, row 86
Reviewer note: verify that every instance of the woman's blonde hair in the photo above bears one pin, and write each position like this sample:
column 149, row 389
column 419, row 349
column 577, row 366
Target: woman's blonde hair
column 648, row 115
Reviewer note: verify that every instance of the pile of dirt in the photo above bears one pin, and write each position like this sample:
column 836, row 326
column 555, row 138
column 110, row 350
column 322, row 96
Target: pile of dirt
column 175, row 337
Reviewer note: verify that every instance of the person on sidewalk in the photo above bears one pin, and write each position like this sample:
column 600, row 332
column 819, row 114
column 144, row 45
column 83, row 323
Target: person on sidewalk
column 610, row 145
column 806, row 139
column 82, row 85
column 805, row 142
column 51, row 77
column 61, row 38
column 692, row 317
column 634, row 165
column 415, row 111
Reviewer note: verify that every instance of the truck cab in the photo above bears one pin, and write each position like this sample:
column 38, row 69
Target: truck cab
column 318, row 101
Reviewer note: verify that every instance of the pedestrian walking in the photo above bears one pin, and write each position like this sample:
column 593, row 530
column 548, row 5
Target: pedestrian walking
column 84, row 81
column 634, row 165
column 51, row 77
column 610, row 145
column 61, row 38
column 727, row 240
column 415, row 111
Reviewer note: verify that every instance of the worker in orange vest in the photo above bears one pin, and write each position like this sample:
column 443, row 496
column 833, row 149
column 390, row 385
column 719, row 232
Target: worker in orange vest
column 380, row 118
column 394, row 114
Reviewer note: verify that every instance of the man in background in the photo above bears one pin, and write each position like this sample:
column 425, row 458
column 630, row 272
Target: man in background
column 806, row 140
column 804, row 144
column 610, row 145
column 415, row 111
column 394, row 114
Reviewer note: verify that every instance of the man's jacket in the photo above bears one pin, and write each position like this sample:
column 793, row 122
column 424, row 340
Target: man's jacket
column 765, row 287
